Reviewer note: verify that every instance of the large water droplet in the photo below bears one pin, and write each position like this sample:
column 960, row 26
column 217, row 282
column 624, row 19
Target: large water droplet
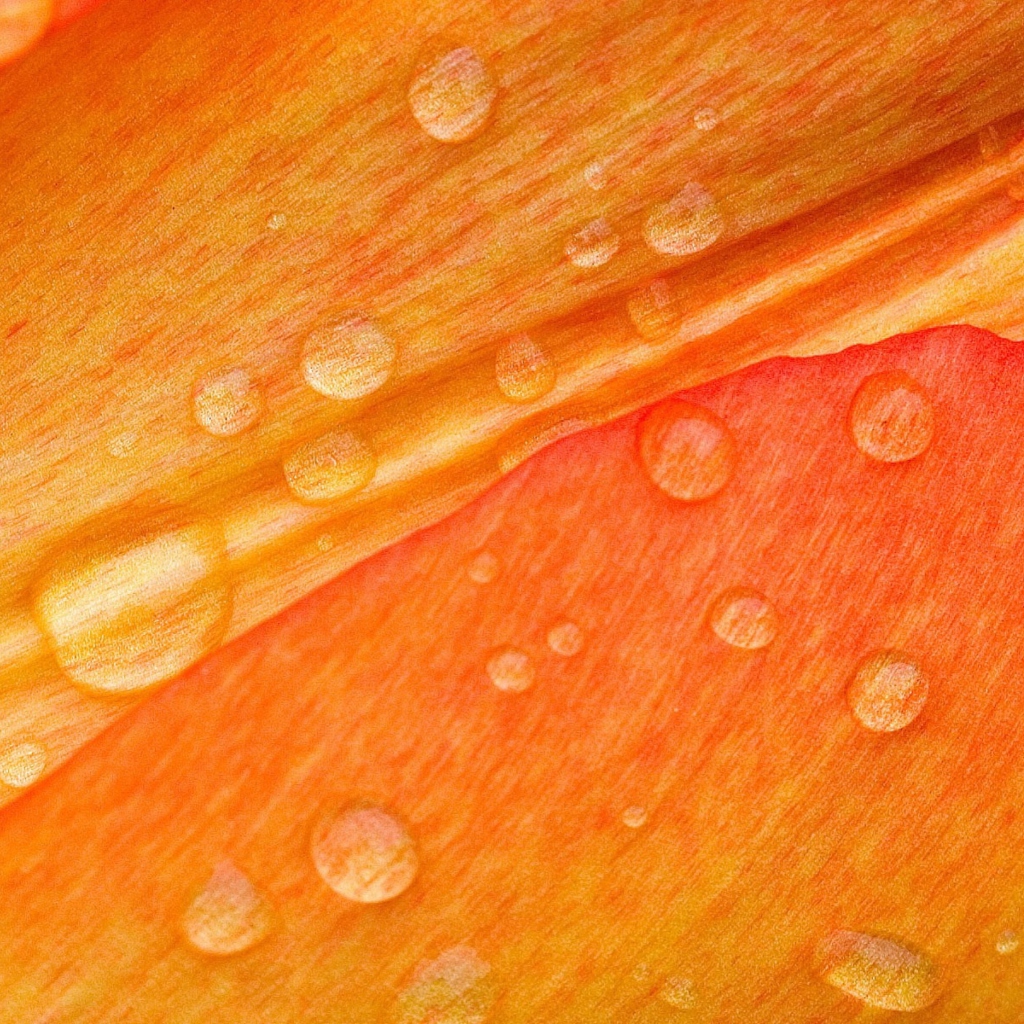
column 229, row 915
column 593, row 245
column 484, row 567
column 511, row 670
column 888, row 691
column 687, row 451
column 654, row 308
column 687, row 223
column 21, row 764
column 891, row 417
column 742, row 617
column 452, row 96
column 226, row 402
column 452, row 989
column 566, row 639
column 1008, row 942
column 634, row 816
column 349, row 359
column 878, row 971
column 364, row 854
column 330, row 466
column 678, row 992
column 523, row 370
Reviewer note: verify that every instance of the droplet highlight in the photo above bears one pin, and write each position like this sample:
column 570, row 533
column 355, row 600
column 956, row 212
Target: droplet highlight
column 654, row 308
column 511, row 670
column 566, row 639
column 227, row 402
column 229, row 916
column 593, row 245
column 523, row 370
column 891, row 417
column 452, row 96
column 634, row 816
column 331, row 466
column 454, row 988
column 888, row 691
column 349, row 359
column 1007, row 943
column 687, row 223
column 21, row 764
column 484, row 567
column 743, row 617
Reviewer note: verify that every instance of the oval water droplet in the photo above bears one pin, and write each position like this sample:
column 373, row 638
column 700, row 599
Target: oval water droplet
column 678, row 992
column 687, row 223
column 1008, row 942
column 891, row 417
column 227, row 402
column 566, row 639
column 484, row 567
column 705, row 119
column 22, row 763
column 654, row 308
column 349, row 359
column 593, row 245
column 331, row 466
column 454, row 988
column 523, row 370
column 888, row 691
column 452, row 95
column 687, row 450
column 229, row 915
column 511, row 669
column 634, row 816
column 878, row 971
column 742, row 617
column 364, row 854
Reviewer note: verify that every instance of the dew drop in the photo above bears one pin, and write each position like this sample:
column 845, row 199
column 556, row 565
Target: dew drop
column 349, row 359
column 687, row 223
column 1007, row 943
column 878, row 971
column 511, row 670
column 595, row 175
column 593, row 245
column 565, row 639
column 454, row 988
column 484, row 567
column 523, row 370
column 227, row 402
column 888, row 691
column 891, row 417
column 654, row 308
column 21, row 764
column 688, row 451
column 229, row 915
column 452, row 96
column 634, row 816
column 678, row 992
column 276, row 221
column 364, row 854
column 742, row 617
column 705, row 119
column 330, row 466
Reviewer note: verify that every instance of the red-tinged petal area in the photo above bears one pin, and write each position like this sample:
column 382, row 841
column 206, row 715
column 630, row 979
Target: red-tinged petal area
column 598, row 753
column 66, row 10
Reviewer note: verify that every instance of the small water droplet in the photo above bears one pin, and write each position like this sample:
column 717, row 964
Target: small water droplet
column 349, row 359
column 566, row 639
column 990, row 143
column 1007, row 943
column 593, row 245
column 123, row 446
column 364, row 854
column 891, row 417
column 330, row 466
column 687, row 223
column 742, row 617
column 678, row 992
column 511, row 670
column 325, row 542
column 595, row 175
column 452, row 96
column 878, row 971
column 705, row 119
column 276, row 221
column 227, row 402
column 484, row 567
column 888, row 691
column 523, row 370
column 634, row 816
column 229, row 915
column 654, row 308
column 688, row 451
column 454, row 988
column 21, row 764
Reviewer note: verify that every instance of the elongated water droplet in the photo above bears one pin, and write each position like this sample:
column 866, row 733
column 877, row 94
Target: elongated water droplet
column 452, row 96
column 654, row 308
column 364, row 854
column 565, row 639
column 888, row 691
column 484, row 567
column 349, row 359
column 705, row 119
column 687, row 223
column 1007, row 943
column 330, row 466
column 511, row 670
column 742, row 617
column 22, row 763
column 593, row 245
column 891, row 417
column 634, row 816
column 454, row 988
column 229, row 915
column 523, row 370
column 678, row 992
column 227, row 402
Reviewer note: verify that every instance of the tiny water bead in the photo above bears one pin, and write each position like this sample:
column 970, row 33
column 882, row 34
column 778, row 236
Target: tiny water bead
column 595, row 174
column 654, row 308
column 451, row 96
column 1007, row 943
column 593, row 245
column 678, row 992
column 634, row 816
column 888, row 691
column 331, row 466
column 364, row 854
column 123, row 445
column 349, row 359
column 687, row 451
column 511, row 669
column 523, row 370
column 276, row 221
column 891, row 417
column 566, row 639
column 227, row 402
column 484, row 567
column 878, row 971
column 454, row 988
column 705, row 119
column 687, row 223
column 229, row 915
column 22, row 763
column 742, row 617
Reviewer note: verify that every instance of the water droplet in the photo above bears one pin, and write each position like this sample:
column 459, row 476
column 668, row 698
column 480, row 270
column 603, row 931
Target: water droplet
column 687, row 451
column 229, row 915
column 593, row 245
column 523, row 370
column 484, row 567
column 742, row 617
column 451, row 96
column 21, row 764
column 276, row 221
column 1007, row 943
column 349, row 359
column 136, row 606
column 678, row 992
column 452, row 989
column 595, row 175
column 654, row 308
column 566, row 639
column 878, row 971
column 990, row 143
column 687, row 223
column 511, row 670
column 634, row 816
column 888, row 691
column 364, row 854
column 226, row 402
column 122, row 446
column 705, row 119
column 325, row 542
column 891, row 417
column 330, row 466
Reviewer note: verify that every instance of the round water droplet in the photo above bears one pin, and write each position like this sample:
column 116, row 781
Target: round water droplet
column 523, row 370
column 1007, row 943
column 678, row 992
column 484, row 567
column 330, row 466
column 21, row 764
column 364, row 854
column 455, row 988
column 226, row 402
column 705, row 119
column 635, row 816
column 325, row 542
column 654, row 308
column 566, row 639
column 687, row 451
column 595, row 175
column 687, row 223
column 888, row 691
column 229, row 915
column 349, row 359
column 452, row 96
column 742, row 617
column 593, row 245
column 891, row 417
column 878, row 971
column 511, row 670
